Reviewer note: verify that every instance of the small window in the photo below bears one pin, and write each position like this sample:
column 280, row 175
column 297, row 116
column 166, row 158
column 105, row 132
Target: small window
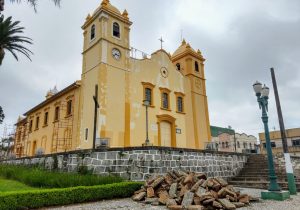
column 273, row 144
column 93, row 31
column 227, row 145
column 116, row 30
column 223, row 145
column 30, row 125
column 245, row 145
column 165, row 101
column 179, row 104
column 37, row 123
column 250, row 145
column 46, row 118
column 178, row 66
column 238, row 144
column 196, row 66
column 148, row 93
column 296, row 142
column 69, row 107
column 56, row 114
column 86, row 133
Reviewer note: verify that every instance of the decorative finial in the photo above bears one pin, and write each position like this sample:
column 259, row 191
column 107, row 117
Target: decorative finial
column 105, row 3
column 88, row 17
column 183, row 42
column 199, row 52
column 125, row 14
column 188, row 45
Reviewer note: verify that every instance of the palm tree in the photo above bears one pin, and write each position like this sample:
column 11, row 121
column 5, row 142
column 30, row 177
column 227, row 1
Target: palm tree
column 34, row 2
column 31, row 2
column 10, row 39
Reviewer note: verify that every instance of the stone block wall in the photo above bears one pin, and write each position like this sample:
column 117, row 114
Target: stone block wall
column 139, row 163
column 279, row 159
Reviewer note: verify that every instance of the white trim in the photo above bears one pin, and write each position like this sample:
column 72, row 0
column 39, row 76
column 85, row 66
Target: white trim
column 288, row 163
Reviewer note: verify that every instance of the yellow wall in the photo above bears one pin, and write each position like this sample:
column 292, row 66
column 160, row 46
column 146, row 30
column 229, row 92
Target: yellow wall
column 121, row 116
column 43, row 136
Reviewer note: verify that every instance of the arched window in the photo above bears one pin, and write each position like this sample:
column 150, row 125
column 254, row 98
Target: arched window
column 179, row 104
column 56, row 114
column 178, row 66
column 37, row 123
column 223, row 145
column 93, row 31
column 238, row 144
column 227, row 145
column 196, row 66
column 69, row 107
column 116, row 30
column 165, row 100
column 250, row 145
column 148, row 94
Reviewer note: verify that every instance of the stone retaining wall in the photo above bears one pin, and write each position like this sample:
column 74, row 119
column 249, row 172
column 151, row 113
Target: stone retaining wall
column 139, row 163
column 279, row 158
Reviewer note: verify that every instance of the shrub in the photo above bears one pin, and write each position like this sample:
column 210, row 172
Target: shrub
column 53, row 197
column 37, row 177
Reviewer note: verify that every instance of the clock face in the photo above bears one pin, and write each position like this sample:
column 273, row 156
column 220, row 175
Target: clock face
column 116, row 53
column 164, row 72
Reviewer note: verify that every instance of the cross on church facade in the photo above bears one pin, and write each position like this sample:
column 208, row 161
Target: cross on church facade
column 161, row 42
column 95, row 97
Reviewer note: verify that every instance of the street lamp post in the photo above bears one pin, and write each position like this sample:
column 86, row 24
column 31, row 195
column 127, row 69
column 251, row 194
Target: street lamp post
column 262, row 94
column 146, row 104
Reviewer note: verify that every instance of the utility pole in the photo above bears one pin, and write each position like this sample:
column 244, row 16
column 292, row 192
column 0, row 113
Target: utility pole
column 95, row 97
column 288, row 164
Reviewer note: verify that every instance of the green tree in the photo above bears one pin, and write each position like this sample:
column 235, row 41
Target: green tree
column 2, row 116
column 10, row 39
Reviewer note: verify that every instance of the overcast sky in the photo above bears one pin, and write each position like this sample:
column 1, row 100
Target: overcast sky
column 240, row 40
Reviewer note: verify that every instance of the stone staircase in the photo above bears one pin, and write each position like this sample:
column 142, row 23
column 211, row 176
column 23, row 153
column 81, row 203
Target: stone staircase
column 255, row 174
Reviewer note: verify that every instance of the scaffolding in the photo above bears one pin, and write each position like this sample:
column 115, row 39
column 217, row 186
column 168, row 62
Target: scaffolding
column 8, row 140
column 63, row 128
column 21, row 138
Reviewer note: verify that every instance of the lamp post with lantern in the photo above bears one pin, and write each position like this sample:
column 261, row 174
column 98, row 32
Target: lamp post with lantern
column 262, row 94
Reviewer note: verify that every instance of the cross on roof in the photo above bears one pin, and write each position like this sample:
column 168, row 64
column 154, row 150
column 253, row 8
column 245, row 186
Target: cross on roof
column 161, row 42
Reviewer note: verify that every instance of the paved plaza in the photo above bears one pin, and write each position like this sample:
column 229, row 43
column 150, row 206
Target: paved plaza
column 127, row 204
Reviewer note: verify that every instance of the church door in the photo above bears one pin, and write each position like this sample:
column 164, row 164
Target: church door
column 165, row 129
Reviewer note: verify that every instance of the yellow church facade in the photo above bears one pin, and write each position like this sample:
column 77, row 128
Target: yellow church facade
column 173, row 84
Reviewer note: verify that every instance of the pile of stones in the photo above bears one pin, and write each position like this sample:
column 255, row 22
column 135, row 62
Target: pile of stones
column 192, row 191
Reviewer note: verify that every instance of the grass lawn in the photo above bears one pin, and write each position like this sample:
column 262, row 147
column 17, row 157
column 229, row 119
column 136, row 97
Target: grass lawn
column 11, row 185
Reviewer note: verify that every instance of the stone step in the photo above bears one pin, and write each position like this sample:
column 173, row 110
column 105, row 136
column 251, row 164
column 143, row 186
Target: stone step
column 263, row 176
column 249, row 178
column 260, row 184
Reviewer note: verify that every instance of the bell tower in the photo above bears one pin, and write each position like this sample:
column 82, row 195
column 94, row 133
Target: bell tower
column 106, row 37
column 106, row 63
column 191, row 64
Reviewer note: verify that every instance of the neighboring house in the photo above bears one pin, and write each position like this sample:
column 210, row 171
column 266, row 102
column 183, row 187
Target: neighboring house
column 226, row 140
column 174, row 84
column 293, row 141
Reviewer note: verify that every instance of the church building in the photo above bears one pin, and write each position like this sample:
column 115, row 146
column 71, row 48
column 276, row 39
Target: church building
column 121, row 100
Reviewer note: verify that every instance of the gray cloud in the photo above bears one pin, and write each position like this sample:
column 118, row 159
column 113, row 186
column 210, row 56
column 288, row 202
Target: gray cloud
column 241, row 40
